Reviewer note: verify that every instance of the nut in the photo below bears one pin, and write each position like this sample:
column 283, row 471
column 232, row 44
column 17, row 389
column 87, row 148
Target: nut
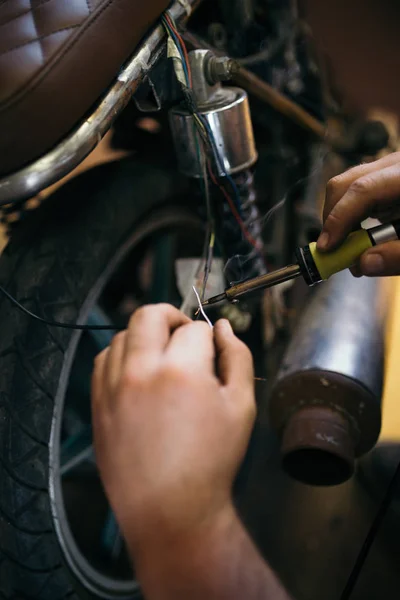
column 220, row 68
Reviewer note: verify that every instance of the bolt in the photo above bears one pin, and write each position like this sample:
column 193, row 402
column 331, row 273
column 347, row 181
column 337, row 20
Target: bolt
column 220, row 68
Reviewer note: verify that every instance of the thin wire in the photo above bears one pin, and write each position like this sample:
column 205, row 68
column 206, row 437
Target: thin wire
column 173, row 34
column 209, row 254
column 201, row 309
column 205, row 130
column 174, row 28
column 369, row 540
column 208, row 265
column 58, row 324
column 206, row 134
column 198, row 125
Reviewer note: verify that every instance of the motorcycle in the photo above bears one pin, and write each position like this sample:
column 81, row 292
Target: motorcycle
column 220, row 184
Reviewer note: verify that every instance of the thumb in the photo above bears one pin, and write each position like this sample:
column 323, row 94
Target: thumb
column 381, row 261
column 234, row 359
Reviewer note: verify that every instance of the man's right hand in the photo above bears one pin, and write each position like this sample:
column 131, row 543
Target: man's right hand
column 369, row 190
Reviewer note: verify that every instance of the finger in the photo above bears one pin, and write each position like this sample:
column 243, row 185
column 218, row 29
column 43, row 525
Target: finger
column 114, row 364
column 97, row 385
column 384, row 260
column 339, row 185
column 234, row 359
column 192, row 348
column 356, row 271
column 150, row 329
column 363, row 195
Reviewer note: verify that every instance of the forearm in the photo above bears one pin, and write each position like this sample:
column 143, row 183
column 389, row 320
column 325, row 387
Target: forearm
column 218, row 562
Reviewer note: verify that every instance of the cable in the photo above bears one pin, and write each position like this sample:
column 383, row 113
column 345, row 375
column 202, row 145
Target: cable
column 57, row 323
column 173, row 34
column 210, row 147
column 204, row 136
column 369, row 540
column 182, row 44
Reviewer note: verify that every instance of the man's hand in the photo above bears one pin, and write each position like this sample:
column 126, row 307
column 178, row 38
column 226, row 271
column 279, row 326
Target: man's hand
column 169, row 432
column 369, row 190
column 173, row 409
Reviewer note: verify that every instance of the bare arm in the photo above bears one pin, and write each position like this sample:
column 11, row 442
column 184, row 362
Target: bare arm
column 218, row 562
column 173, row 409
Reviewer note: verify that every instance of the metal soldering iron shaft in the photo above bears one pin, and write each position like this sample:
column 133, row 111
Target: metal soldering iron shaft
column 256, row 284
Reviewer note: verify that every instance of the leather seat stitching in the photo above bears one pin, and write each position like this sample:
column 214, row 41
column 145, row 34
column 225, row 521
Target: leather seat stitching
column 35, row 81
column 33, row 18
column 38, row 39
column 26, row 12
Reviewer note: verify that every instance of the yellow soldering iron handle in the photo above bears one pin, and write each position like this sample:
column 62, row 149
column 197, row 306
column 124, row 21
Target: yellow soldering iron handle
column 344, row 257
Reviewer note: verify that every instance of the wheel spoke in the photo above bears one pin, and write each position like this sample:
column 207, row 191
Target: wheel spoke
column 76, row 450
column 111, row 538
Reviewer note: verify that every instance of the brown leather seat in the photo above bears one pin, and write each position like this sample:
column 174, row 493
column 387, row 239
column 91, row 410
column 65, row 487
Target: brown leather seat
column 57, row 57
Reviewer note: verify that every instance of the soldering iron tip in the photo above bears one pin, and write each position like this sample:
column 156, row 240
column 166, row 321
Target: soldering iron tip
column 214, row 300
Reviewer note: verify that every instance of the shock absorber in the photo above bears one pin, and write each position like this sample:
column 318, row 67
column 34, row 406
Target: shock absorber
column 243, row 251
column 225, row 114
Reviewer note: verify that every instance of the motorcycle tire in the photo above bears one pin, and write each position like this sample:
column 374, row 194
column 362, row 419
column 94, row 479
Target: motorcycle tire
column 56, row 265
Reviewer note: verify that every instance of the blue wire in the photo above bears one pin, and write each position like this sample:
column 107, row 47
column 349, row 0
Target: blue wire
column 178, row 45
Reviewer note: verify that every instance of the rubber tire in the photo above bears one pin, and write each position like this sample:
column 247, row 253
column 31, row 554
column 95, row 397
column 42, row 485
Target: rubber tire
column 51, row 264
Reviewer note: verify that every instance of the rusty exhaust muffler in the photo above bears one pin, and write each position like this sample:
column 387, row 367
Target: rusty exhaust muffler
column 325, row 404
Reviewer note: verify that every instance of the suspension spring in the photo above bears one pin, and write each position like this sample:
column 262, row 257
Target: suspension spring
column 243, row 254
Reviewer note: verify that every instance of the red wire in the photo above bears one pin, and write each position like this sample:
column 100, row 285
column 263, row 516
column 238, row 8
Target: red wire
column 182, row 43
column 232, row 206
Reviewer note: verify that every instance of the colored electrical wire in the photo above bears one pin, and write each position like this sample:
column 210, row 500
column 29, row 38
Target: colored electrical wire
column 58, row 324
column 206, row 134
column 174, row 28
column 208, row 254
column 173, row 34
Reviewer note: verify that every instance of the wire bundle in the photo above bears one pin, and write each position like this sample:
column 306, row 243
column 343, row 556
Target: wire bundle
column 209, row 152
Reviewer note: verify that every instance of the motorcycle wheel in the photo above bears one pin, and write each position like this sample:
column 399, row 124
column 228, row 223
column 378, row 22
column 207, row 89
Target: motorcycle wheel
column 101, row 246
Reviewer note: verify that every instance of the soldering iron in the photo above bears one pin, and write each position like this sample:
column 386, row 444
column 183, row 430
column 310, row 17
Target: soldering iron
column 313, row 265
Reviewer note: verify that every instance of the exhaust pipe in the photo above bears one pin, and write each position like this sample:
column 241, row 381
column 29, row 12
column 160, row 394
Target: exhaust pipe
column 325, row 403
